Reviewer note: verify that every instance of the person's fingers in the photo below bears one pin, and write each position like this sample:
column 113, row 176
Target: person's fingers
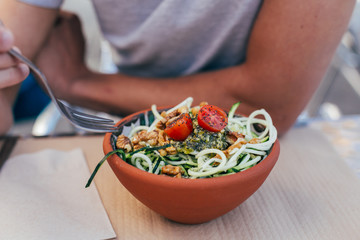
column 13, row 75
column 11, row 70
column 7, row 61
column 6, row 39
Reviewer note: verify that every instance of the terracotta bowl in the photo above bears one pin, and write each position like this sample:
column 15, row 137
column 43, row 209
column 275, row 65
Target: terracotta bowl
column 189, row 201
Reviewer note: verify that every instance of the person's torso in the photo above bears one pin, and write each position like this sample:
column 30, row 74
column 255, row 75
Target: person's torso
column 169, row 38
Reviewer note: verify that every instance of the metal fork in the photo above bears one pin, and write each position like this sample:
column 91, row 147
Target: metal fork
column 81, row 120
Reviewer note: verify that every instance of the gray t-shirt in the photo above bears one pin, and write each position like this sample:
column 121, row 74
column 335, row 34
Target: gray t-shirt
column 169, row 38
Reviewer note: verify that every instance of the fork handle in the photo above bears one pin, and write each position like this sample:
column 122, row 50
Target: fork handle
column 21, row 58
column 34, row 69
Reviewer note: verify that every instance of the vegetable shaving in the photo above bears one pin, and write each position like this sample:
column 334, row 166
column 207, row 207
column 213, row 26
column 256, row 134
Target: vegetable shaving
column 212, row 143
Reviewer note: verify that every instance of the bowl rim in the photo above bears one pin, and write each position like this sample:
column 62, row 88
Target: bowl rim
column 264, row 165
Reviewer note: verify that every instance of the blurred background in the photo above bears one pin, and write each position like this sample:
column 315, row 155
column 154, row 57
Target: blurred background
column 337, row 97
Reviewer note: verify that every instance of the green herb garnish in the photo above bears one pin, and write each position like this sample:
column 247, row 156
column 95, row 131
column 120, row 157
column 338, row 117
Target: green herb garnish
column 123, row 156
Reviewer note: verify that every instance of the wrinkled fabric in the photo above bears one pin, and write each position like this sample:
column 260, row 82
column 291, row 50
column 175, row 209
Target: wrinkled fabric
column 169, row 38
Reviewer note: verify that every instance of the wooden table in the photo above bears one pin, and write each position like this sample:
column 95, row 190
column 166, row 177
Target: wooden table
column 310, row 194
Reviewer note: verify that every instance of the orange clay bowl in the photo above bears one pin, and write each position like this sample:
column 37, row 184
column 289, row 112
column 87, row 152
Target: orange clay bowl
column 189, row 201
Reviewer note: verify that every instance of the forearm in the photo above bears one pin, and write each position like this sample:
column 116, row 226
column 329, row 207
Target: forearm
column 289, row 49
column 125, row 94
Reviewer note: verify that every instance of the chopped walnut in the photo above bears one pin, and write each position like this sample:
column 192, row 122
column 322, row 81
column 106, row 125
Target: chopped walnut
column 171, row 150
column 218, row 157
column 183, row 109
column 143, row 137
column 153, row 137
column 139, row 136
column 169, row 117
column 173, row 114
column 195, row 111
column 254, row 141
column 232, row 137
column 124, row 142
column 163, row 138
column 162, row 123
column 162, row 152
column 163, row 114
column 139, row 145
column 232, row 147
column 236, row 140
column 203, row 104
column 174, row 171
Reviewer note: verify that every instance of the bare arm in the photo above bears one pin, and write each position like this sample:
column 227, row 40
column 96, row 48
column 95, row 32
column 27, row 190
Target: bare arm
column 289, row 49
column 29, row 26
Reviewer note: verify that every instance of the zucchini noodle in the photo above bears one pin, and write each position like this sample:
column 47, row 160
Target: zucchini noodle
column 155, row 112
column 243, row 154
column 233, row 159
column 187, row 102
column 137, row 157
column 137, row 129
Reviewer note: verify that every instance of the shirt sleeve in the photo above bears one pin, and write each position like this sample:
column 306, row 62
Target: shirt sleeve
column 44, row 3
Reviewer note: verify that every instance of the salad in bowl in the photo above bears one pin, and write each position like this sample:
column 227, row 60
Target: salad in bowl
column 198, row 142
column 192, row 164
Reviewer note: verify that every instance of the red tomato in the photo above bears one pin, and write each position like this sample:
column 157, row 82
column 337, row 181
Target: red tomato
column 212, row 118
column 180, row 128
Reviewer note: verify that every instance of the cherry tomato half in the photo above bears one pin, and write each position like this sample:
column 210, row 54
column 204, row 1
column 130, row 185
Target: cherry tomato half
column 212, row 118
column 180, row 128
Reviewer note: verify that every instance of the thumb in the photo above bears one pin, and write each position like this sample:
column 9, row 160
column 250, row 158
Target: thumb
column 6, row 39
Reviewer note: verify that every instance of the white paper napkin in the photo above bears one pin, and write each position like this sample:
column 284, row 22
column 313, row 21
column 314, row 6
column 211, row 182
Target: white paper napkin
column 43, row 196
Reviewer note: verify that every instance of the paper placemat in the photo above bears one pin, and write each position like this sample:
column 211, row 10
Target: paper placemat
column 42, row 196
column 310, row 194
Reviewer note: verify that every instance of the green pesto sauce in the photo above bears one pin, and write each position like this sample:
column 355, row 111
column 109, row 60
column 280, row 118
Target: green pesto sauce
column 201, row 139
